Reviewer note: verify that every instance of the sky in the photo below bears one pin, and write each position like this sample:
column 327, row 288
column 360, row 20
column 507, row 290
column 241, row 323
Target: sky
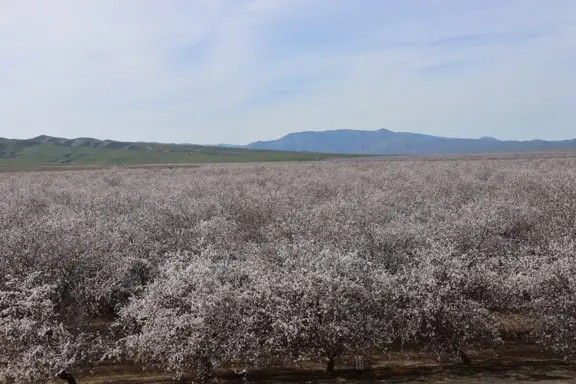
column 237, row 71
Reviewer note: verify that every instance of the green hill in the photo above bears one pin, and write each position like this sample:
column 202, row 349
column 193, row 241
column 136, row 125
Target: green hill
column 45, row 151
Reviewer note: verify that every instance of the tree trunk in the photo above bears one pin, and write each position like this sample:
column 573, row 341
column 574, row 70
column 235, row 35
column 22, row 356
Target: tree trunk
column 330, row 365
column 205, row 370
column 63, row 375
column 465, row 359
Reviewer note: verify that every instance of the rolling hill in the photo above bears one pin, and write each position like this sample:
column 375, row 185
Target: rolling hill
column 45, row 151
column 386, row 142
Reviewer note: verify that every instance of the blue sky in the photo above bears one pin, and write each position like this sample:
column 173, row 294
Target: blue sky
column 237, row 71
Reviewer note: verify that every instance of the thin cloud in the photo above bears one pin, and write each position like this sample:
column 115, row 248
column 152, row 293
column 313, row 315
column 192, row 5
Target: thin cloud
column 210, row 71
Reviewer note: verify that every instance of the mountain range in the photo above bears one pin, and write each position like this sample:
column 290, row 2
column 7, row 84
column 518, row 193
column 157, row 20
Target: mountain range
column 386, row 142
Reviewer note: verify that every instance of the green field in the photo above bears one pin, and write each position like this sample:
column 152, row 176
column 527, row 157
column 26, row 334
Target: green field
column 49, row 151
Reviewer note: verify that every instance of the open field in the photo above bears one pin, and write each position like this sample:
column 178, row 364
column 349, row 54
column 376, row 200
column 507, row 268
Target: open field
column 300, row 157
column 267, row 267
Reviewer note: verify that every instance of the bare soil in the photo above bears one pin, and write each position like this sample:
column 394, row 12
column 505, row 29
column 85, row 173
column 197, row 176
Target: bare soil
column 512, row 363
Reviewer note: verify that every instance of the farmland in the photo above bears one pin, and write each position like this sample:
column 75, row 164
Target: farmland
column 188, row 272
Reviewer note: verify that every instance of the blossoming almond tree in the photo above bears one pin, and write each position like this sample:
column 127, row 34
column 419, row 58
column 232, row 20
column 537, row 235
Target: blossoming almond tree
column 190, row 320
column 325, row 304
column 437, row 314
column 553, row 288
column 34, row 343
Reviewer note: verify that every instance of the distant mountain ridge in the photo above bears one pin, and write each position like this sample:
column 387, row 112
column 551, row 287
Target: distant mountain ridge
column 386, row 142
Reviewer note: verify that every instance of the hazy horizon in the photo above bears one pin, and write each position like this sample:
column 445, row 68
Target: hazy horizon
column 215, row 71
column 279, row 137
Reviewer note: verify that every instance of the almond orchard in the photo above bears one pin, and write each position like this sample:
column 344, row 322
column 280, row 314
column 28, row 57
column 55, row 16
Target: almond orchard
column 194, row 270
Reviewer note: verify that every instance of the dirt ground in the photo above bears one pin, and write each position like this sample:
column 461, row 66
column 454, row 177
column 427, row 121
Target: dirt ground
column 512, row 363
column 527, row 373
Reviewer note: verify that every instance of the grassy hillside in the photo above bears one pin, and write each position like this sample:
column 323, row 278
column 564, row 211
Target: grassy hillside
column 51, row 151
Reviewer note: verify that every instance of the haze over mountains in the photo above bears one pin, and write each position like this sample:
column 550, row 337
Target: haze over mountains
column 386, row 142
